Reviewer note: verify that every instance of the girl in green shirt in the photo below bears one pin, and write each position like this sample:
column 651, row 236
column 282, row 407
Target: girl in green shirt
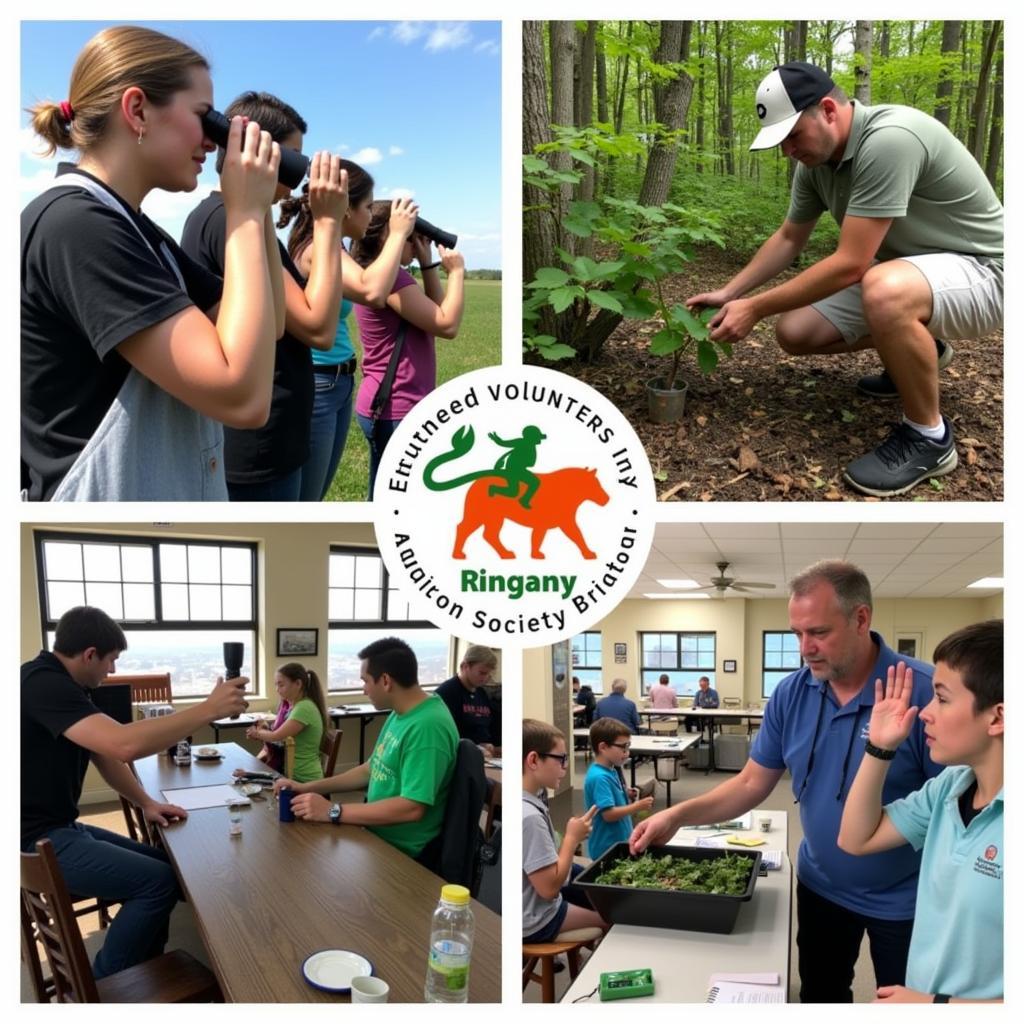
column 306, row 722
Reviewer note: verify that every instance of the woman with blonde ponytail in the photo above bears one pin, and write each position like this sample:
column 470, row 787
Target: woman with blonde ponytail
column 306, row 722
column 132, row 356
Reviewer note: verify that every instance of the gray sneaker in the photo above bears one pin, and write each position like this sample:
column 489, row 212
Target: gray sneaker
column 881, row 385
column 903, row 459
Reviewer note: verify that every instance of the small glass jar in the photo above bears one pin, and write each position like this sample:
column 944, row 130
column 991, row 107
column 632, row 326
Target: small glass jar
column 234, row 817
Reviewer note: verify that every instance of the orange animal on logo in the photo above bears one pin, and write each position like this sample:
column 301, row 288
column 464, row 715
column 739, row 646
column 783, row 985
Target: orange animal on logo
column 554, row 507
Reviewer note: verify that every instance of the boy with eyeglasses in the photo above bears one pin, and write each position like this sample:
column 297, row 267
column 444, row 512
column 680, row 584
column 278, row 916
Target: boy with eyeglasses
column 606, row 789
column 550, row 904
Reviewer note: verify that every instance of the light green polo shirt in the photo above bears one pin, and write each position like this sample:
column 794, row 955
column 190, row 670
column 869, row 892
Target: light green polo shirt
column 307, row 742
column 901, row 163
column 957, row 942
column 414, row 757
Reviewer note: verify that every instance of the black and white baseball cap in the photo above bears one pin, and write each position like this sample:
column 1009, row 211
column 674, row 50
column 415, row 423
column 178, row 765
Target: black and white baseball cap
column 783, row 96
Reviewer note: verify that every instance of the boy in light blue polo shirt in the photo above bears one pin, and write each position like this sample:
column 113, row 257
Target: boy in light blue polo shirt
column 956, row 951
column 605, row 789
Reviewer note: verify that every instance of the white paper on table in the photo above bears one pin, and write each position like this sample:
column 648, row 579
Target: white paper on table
column 745, row 988
column 198, row 797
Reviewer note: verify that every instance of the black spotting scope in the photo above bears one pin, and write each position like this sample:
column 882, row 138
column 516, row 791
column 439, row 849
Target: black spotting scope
column 293, row 167
column 436, row 235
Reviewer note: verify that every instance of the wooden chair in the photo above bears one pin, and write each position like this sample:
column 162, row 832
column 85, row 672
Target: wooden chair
column 330, row 747
column 138, row 828
column 544, row 953
column 171, row 978
column 154, row 688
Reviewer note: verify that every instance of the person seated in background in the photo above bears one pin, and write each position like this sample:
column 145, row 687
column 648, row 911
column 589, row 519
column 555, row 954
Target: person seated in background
column 662, row 695
column 306, row 722
column 62, row 731
column 705, row 697
column 618, row 705
column 550, row 903
column 468, row 701
column 605, row 788
column 956, row 947
column 584, row 697
column 408, row 774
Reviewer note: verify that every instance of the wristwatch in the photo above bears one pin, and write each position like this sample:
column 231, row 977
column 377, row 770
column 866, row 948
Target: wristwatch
column 879, row 752
column 940, row 997
column 334, row 815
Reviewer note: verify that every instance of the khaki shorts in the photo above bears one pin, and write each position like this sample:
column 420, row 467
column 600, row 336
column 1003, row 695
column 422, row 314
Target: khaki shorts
column 967, row 299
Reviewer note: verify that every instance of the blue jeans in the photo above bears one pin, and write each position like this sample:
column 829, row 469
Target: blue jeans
column 284, row 488
column 96, row 862
column 377, row 433
column 332, row 414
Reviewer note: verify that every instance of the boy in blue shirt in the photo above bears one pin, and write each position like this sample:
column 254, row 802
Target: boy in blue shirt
column 956, row 817
column 605, row 789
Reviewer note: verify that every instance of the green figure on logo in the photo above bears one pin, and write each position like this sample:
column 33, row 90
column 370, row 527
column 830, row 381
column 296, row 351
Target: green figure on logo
column 515, row 465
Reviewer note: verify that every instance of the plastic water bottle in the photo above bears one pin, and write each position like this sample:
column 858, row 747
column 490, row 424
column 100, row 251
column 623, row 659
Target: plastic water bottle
column 451, row 943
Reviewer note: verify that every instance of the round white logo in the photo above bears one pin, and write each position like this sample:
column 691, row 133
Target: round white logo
column 514, row 507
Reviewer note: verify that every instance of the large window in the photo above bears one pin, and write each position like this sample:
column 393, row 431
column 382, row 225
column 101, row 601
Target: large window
column 586, row 659
column 363, row 607
column 177, row 600
column 780, row 656
column 683, row 657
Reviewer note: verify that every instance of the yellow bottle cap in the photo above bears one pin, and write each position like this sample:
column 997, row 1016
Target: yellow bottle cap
column 455, row 894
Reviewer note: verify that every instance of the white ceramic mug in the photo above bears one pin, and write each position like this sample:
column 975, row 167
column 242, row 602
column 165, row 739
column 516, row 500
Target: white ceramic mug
column 368, row 989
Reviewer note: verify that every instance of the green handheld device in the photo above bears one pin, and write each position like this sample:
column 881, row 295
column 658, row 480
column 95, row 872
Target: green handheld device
column 626, row 984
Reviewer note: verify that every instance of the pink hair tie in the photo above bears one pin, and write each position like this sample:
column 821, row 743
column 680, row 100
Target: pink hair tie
column 66, row 112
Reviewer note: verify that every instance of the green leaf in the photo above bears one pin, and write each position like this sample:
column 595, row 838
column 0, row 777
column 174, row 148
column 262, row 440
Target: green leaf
column 691, row 324
column 577, row 226
column 707, row 356
column 665, row 342
column 603, row 271
column 848, row 417
column 584, row 268
column 605, row 300
column 533, row 164
column 582, row 156
column 937, row 485
column 549, row 277
column 706, row 314
column 634, row 307
column 562, row 298
column 661, row 476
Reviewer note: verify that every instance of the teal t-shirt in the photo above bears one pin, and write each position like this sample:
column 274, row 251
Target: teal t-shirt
column 602, row 788
column 957, row 943
column 414, row 757
column 341, row 351
column 307, row 743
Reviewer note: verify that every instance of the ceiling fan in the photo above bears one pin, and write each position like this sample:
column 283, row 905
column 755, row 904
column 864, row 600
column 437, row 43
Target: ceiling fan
column 721, row 583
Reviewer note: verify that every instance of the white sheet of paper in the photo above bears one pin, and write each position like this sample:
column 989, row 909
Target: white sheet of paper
column 198, row 797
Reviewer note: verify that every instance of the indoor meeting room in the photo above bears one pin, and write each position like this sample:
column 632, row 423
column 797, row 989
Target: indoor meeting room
column 750, row 746
column 250, row 773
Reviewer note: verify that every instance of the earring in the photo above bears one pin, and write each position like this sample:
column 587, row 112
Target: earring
column 140, row 136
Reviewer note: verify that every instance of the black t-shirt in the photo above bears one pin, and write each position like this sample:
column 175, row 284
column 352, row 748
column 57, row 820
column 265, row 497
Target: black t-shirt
column 282, row 445
column 52, row 767
column 474, row 716
column 88, row 283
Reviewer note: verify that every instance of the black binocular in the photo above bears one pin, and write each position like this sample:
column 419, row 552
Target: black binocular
column 294, row 167
column 233, row 655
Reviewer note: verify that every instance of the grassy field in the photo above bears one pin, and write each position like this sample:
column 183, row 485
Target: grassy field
column 478, row 344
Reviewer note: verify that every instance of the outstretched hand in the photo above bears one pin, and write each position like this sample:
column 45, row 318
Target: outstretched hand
column 892, row 717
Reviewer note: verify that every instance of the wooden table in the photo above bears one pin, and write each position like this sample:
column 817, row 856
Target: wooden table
column 682, row 961
column 268, row 899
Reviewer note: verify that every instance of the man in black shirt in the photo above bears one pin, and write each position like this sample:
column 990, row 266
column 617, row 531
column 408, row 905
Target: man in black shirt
column 474, row 713
column 62, row 730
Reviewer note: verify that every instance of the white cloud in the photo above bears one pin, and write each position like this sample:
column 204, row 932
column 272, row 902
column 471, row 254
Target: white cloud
column 376, row 33
column 488, row 46
column 397, row 192
column 493, row 237
column 407, row 31
column 395, row 151
column 30, row 147
column 367, row 155
column 448, row 35
column 171, row 209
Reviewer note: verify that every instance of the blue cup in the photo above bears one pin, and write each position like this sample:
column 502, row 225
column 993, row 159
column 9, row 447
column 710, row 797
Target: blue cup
column 284, row 798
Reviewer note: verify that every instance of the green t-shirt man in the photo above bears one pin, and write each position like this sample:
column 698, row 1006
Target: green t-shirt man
column 307, row 743
column 901, row 163
column 414, row 757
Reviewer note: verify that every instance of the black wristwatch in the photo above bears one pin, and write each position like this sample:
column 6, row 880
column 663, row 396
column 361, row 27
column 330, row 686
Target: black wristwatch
column 940, row 997
column 879, row 752
column 334, row 815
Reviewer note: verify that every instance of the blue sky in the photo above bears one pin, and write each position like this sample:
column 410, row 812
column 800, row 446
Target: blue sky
column 418, row 104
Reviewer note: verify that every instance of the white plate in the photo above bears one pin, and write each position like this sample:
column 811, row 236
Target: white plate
column 332, row 970
column 251, row 788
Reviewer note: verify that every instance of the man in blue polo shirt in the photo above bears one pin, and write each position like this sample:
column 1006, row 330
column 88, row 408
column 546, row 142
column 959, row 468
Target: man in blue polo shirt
column 956, row 953
column 618, row 705
column 816, row 726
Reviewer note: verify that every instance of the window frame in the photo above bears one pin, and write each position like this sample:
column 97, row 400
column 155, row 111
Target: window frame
column 710, row 669
column 765, row 668
column 156, row 624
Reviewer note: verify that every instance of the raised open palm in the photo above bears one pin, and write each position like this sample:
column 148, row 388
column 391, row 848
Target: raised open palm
column 892, row 716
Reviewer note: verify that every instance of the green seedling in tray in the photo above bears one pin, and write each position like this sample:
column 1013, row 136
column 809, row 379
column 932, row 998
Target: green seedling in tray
column 721, row 876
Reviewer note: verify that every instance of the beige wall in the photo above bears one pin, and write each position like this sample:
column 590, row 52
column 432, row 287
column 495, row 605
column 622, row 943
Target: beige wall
column 293, row 569
column 739, row 625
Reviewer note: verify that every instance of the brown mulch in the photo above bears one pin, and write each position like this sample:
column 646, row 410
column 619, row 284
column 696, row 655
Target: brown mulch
column 766, row 426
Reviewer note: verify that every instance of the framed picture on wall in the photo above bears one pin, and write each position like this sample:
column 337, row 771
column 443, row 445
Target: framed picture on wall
column 729, row 665
column 909, row 644
column 620, row 654
column 295, row 642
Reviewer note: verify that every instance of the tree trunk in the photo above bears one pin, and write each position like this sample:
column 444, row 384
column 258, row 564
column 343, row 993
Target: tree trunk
column 883, row 41
column 944, row 89
column 562, row 49
column 960, row 127
column 701, row 73
column 601, row 83
column 990, row 39
column 584, row 106
column 723, row 46
column 538, row 222
column 862, row 63
column 620, row 104
column 995, row 137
